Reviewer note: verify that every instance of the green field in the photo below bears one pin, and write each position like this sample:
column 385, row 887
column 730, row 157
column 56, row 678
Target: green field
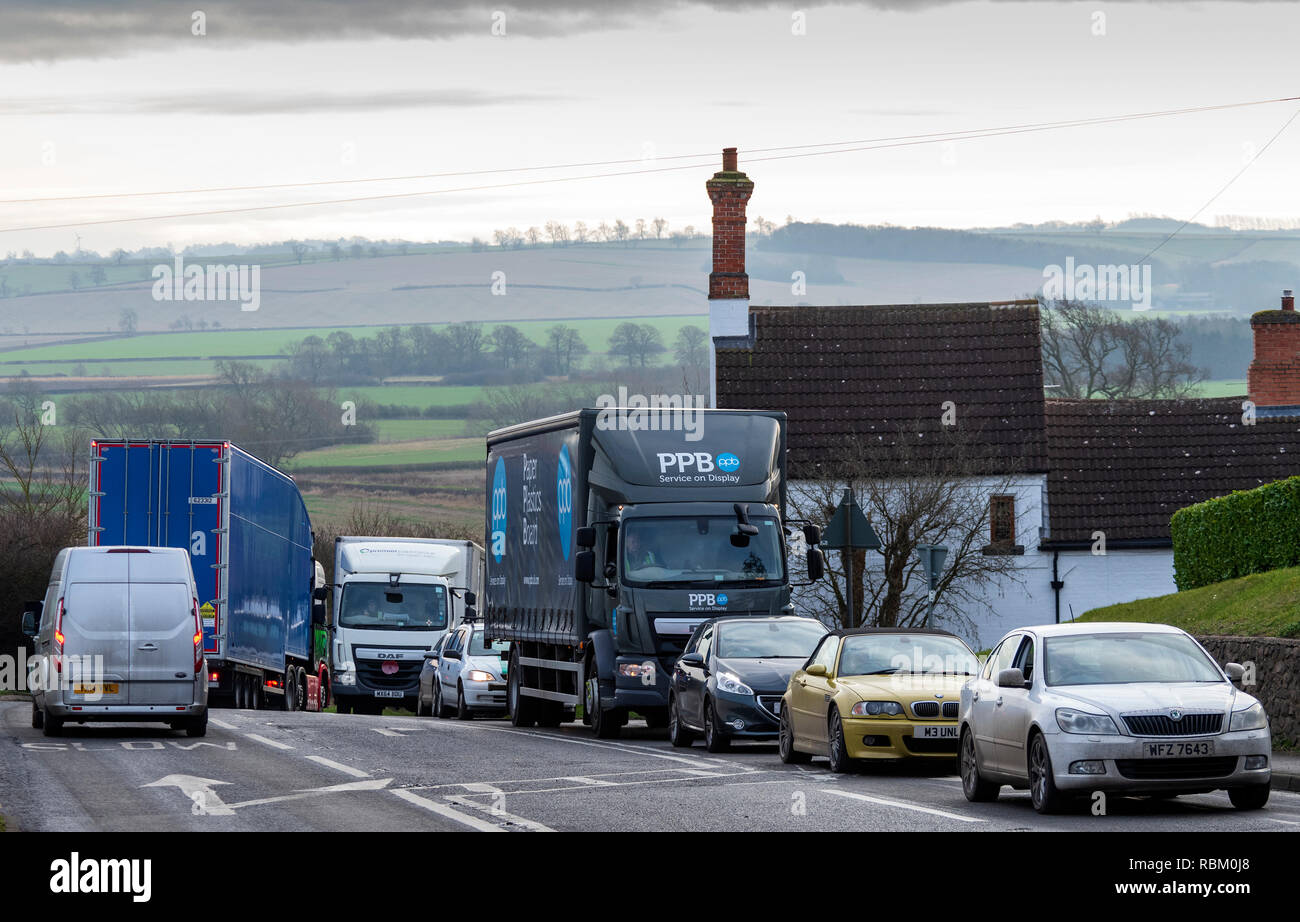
column 414, row 395
column 1225, row 388
column 1259, row 605
column 408, row 430
column 429, row 451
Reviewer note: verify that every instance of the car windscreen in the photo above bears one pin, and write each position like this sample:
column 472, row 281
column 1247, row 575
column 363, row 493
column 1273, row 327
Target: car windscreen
column 377, row 606
column 1112, row 659
column 478, row 648
column 906, row 654
column 768, row 639
column 699, row 550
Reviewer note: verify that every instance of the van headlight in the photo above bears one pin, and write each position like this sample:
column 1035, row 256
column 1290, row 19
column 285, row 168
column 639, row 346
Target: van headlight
column 1072, row 721
column 1251, row 718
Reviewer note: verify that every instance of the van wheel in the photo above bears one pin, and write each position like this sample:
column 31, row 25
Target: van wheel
column 38, row 717
column 52, row 725
column 290, row 689
column 197, row 726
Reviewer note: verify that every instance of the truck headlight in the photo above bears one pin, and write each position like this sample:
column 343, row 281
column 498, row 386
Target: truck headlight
column 643, row 671
column 1251, row 718
column 1072, row 721
column 344, row 675
column 876, row 709
column 730, row 683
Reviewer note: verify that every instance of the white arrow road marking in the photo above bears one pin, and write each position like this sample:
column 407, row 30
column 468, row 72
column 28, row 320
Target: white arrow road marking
column 500, row 814
column 371, row 784
column 903, row 805
column 272, row 743
column 443, row 810
column 338, row 766
column 395, row 731
column 208, row 801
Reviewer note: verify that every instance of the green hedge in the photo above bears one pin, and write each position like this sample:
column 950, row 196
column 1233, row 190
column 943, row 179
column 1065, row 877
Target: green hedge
column 1250, row 531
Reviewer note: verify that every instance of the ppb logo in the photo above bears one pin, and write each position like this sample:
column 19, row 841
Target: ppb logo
column 728, row 463
column 499, row 511
column 696, row 600
column 722, row 598
column 564, row 499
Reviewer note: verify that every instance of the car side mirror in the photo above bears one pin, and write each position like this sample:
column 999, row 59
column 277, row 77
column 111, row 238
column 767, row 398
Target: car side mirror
column 1236, row 672
column 451, row 654
column 29, row 623
column 816, row 564
column 584, row 566
column 816, row 669
column 812, row 534
column 692, row 659
column 585, row 536
column 1012, row 678
column 430, row 654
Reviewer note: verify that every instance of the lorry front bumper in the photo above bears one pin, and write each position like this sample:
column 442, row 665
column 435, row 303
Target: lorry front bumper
column 635, row 692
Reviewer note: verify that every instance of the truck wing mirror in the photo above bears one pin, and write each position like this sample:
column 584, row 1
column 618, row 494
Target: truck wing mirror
column 320, row 593
column 584, row 566
column 816, row 564
column 812, row 534
column 471, row 598
column 743, row 525
column 586, row 536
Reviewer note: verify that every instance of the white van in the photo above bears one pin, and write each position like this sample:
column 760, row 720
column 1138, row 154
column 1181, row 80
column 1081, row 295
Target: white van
column 119, row 639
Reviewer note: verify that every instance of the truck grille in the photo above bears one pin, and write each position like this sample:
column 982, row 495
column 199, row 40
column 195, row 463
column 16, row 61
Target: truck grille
column 1170, row 769
column 406, row 678
column 1164, row 725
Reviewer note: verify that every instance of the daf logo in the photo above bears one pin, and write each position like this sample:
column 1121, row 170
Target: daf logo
column 390, row 656
column 1175, row 714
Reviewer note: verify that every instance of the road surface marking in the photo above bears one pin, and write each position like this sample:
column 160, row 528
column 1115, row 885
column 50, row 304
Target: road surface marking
column 337, row 766
column 494, row 810
column 375, row 784
column 902, row 805
column 444, row 811
column 697, row 776
column 222, row 724
column 597, row 744
column 481, row 787
column 272, row 743
column 198, row 791
column 395, row 731
column 583, row 779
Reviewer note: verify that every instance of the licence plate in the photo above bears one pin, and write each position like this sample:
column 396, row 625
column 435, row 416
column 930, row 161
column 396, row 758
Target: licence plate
column 1180, row 750
column 383, row 693
column 935, row 733
column 776, row 707
column 95, row 688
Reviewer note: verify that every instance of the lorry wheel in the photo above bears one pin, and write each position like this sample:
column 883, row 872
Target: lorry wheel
column 344, row 706
column 239, row 692
column 300, row 702
column 550, row 714
column 325, row 694
column 38, row 717
column 290, row 689
column 606, row 724
column 254, row 693
column 522, row 709
column 462, row 712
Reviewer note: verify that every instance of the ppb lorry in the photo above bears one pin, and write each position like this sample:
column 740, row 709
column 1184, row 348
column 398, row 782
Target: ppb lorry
column 612, row 534
column 250, row 545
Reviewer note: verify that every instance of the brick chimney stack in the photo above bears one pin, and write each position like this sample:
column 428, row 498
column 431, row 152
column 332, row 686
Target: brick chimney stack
column 1274, row 376
column 729, row 191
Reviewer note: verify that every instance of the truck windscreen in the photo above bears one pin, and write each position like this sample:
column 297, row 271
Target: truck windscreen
column 408, row 607
column 699, row 549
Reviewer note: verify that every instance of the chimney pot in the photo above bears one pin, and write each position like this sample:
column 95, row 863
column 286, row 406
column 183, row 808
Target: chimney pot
column 729, row 163
column 1288, row 300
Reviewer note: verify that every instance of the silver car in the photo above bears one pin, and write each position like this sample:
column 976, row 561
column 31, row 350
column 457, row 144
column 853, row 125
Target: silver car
column 1068, row 709
column 471, row 674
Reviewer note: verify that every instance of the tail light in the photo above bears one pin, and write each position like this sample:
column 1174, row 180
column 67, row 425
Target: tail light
column 198, row 639
column 58, row 638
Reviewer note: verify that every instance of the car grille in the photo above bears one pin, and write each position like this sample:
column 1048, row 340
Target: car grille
column 1164, row 725
column 768, row 704
column 950, row 709
column 917, row 745
column 929, row 710
column 406, row 678
column 1209, row 767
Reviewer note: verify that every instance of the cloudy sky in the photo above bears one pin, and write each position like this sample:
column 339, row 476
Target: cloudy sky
column 112, row 96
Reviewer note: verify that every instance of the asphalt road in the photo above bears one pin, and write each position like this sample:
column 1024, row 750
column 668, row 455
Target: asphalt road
column 274, row 771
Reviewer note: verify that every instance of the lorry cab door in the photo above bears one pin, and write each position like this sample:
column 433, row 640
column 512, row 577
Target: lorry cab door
column 808, row 695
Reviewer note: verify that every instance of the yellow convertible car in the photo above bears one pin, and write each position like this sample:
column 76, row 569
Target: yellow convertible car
column 876, row 693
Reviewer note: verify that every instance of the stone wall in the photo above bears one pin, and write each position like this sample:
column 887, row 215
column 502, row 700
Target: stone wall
column 1277, row 675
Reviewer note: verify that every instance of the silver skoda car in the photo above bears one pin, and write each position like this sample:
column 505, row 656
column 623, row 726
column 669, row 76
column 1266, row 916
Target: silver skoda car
column 1069, row 709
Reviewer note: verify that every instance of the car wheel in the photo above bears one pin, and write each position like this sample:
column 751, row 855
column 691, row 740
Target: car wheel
column 1043, row 792
column 462, row 712
column 785, row 743
column 714, row 739
column 38, row 717
column 604, row 723
column 837, row 749
column 439, row 709
column 976, row 789
column 1249, row 798
column 419, row 703
column 678, row 735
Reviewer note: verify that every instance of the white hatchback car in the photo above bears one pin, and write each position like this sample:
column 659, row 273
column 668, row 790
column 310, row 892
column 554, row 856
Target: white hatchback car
column 471, row 673
column 1069, row 709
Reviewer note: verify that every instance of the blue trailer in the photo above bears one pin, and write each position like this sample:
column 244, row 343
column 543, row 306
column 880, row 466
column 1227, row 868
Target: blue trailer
column 246, row 528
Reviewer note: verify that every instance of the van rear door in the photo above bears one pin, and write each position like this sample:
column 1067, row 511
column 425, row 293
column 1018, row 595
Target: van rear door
column 162, row 644
column 97, row 642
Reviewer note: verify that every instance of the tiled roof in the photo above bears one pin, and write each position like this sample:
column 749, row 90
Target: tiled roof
column 1124, row 467
column 865, row 371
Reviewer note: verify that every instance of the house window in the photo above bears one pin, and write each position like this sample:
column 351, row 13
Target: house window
column 1002, row 520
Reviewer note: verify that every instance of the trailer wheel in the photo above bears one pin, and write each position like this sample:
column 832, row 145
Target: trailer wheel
column 522, row 709
column 255, row 692
column 290, row 688
column 239, row 691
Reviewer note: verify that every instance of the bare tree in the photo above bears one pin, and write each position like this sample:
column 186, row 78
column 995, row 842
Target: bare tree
column 660, row 225
column 636, row 341
column 1092, row 351
column 580, row 232
column 919, row 485
column 565, row 344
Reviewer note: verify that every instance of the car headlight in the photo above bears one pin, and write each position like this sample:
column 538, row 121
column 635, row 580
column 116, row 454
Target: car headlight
column 1072, row 721
column 478, row 675
column 877, row 709
column 730, row 682
column 1251, row 718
